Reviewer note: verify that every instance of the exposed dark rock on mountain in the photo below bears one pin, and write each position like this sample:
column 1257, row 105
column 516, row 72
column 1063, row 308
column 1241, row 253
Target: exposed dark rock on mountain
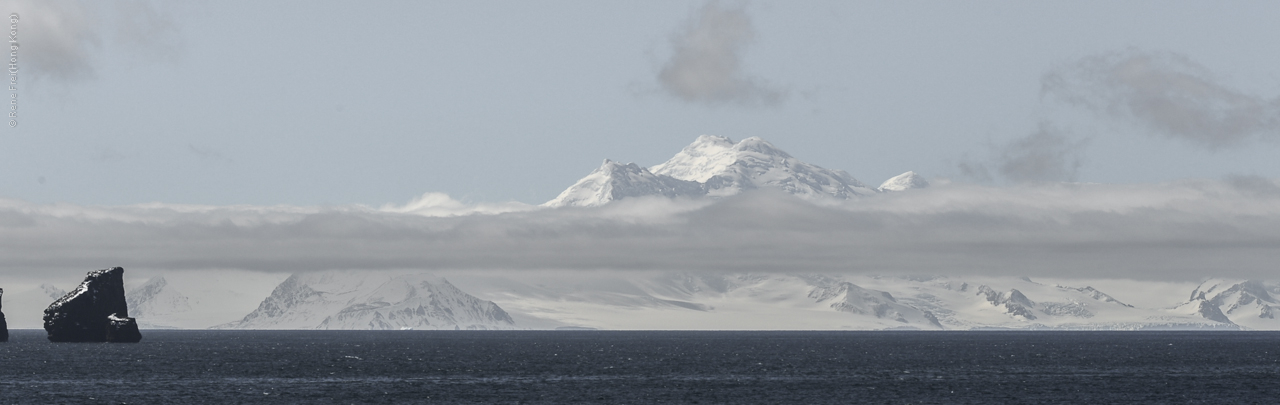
column 4, row 326
column 1015, row 303
column 95, row 311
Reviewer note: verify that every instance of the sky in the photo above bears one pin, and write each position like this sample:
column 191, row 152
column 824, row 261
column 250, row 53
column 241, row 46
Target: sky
column 1097, row 138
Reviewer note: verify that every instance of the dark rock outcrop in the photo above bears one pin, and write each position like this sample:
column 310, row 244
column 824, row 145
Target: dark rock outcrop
column 95, row 311
column 1015, row 303
column 4, row 326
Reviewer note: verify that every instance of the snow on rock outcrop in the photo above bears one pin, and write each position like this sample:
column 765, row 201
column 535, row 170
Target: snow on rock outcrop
column 714, row 166
column 96, row 311
column 1209, row 311
column 615, row 181
column 1098, row 295
column 1064, row 304
column 848, row 297
column 1014, row 302
column 372, row 301
column 905, row 181
column 1248, row 303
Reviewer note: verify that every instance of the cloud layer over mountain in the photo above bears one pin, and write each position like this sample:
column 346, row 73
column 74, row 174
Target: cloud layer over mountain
column 1183, row 230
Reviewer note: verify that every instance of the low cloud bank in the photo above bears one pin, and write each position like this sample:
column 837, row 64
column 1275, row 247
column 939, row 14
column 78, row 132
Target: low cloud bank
column 1184, row 230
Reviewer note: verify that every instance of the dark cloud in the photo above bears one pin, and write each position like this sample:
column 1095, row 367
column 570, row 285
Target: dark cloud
column 1167, row 93
column 1184, row 231
column 706, row 62
column 207, row 153
column 58, row 39
column 1046, row 155
column 1254, row 185
column 61, row 40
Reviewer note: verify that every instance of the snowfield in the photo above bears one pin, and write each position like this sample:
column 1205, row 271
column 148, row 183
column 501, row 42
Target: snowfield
column 383, row 300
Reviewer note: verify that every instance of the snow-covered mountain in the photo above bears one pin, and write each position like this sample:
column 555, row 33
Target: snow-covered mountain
column 154, row 301
column 1248, row 303
column 614, row 181
column 714, row 166
column 832, row 301
column 905, row 181
column 673, row 300
column 848, row 297
column 726, row 168
column 372, row 300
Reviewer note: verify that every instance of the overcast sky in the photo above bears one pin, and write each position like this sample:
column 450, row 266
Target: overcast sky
column 248, row 128
column 292, row 102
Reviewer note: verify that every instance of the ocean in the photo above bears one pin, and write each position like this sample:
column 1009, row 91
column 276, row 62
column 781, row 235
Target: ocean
column 641, row 367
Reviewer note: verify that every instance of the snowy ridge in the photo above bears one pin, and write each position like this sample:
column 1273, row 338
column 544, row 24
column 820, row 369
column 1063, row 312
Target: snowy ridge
column 704, row 158
column 856, row 302
column 1014, row 303
column 614, row 181
column 675, row 300
column 905, row 181
column 714, row 166
column 1248, row 303
column 375, row 301
column 848, row 297
column 725, row 168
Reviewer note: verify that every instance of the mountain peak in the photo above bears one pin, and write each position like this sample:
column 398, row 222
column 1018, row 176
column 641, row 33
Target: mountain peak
column 905, row 181
column 614, row 180
column 725, row 168
column 723, row 141
column 714, row 166
column 758, row 145
column 707, row 155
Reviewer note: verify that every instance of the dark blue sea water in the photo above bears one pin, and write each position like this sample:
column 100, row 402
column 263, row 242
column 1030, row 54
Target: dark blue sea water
column 558, row 367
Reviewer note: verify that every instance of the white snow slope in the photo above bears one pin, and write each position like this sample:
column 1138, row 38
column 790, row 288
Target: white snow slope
column 1248, row 303
column 614, row 181
column 825, row 302
column 905, row 181
column 713, row 166
column 372, row 300
column 653, row 300
column 154, row 301
column 726, row 168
